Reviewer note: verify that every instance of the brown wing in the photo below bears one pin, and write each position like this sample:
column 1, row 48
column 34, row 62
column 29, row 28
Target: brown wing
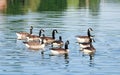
column 57, row 49
column 85, row 43
column 57, row 41
column 82, row 36
column 90, row 48
column 32, row 43
column 60, row 50
column 23, row 33
column 33, row 36
column 47, row 38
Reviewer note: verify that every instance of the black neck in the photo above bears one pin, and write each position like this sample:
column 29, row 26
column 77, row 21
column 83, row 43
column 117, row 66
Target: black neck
column 43, row 35
column 60, row 38
column 42, row 42
column 30, row 31
column 66, row 45
column 53, row 34
column 40, row 33
column 90, row 42
column 88, row 32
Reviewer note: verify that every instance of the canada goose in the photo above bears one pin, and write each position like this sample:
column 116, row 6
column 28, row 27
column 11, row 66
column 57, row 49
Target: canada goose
column 49, row 40
column 35, row 45
column 58, row 43
column 89, row 50
column 58, row 51
column 85, row 39
column 23, row 35
column 35, row 37
column 84, row 45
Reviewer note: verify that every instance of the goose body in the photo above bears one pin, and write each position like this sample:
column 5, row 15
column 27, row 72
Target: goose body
column 84, row 45
column 58, row 43
column 89, row 50
column 85, row 39
column 23, row 35
column 35, row 45
column 58, row 51
column 82, row 39
column 35, row 37
column 49, row 40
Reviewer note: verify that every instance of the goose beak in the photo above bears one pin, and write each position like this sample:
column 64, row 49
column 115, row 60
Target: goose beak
column 91, row 29
column 42, row 30
column 56, row 31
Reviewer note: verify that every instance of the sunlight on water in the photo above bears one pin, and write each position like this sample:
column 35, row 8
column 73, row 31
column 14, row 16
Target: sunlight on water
column 70, row 20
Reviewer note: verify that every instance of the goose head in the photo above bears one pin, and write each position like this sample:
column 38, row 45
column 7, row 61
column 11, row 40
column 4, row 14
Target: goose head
column 31, row 28
column 53, row 33
column 40, row 32
column 89, row 34
column 60, row 38
column 66, row 44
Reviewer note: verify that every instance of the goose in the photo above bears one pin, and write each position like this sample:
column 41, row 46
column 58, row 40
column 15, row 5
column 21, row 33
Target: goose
column 59, row 51
column 35, row 37
column 23, row 35
column 85, row 39
column 35, row 45
column 84, row 45
column 49, row 40
column 58, row 43
column 89, row 50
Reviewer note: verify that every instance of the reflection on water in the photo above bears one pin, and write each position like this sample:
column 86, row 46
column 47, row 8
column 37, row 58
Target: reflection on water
column 3, row 5
column 70, row 18
column 24, row 6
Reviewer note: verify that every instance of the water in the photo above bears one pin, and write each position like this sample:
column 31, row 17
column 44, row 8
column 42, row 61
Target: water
column 71, row 19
